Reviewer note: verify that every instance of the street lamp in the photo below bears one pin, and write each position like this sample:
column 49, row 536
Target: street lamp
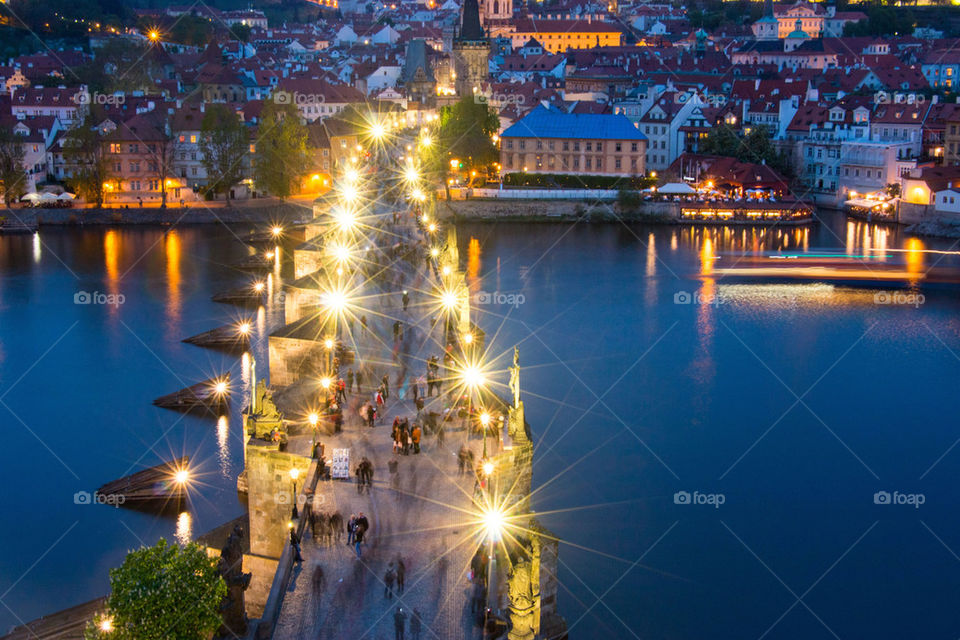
column 106, row 625
column 493, row 522
column 244, row 329
column 484, row 423
column 276, row 231
column 294, row 474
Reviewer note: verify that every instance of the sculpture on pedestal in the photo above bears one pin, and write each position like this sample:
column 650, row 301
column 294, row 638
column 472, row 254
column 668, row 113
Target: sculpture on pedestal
column 524, row 590
column 264, row 420
column 233, row 609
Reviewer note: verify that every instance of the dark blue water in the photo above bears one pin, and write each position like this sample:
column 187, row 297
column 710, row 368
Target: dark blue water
column 793, row 404
column 76, row 386
column 632, row 398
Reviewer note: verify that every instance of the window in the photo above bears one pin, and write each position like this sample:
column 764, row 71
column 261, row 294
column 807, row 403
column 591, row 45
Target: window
column 193, row 139
column 616, row 163
column 599, row 146
column 566, row 145
column 115, row 148
column 183, row 138
column 134, row 148
column 550, row 145
column 588, row 164
column 617, row 147
column 576, row 145
column 523, row 144
column 589, row 146
column 633, row 147
column 539, row 145
column 509, row 144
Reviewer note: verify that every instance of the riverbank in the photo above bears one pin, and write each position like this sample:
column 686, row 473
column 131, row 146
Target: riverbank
column 196, row 214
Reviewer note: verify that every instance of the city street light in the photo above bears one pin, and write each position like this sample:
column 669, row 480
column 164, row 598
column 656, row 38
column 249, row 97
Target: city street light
column 294, row 474
column 493, row 523
column 276, row 231
column 106, row 625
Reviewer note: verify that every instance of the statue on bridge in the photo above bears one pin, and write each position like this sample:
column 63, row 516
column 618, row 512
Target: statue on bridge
column 515, row 377
column 230, row 566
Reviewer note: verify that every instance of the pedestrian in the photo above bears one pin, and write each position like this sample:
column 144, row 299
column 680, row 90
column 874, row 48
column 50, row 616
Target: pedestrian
column 360, row 477
column 341, row 391
column 295, row 544
column 396, row 331
column 401, row 574
column 336, row 527
column 388, row 579
column 399, row 621
column 360, row 531
column 386, row 386
column 421, row 386
column 461, row 459
column 358, row 538
column 416, row 392
column 351, row 527
column 350, row 380
column 363, row 324
column 406, row 300
column 415, row 437
column 415, row 625
column 359, row 380
column 380, row 397
column 404, row 440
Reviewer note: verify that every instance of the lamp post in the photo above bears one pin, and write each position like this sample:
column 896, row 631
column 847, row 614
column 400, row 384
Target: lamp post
column 484, row 423
column 294, row 474
column 493, row 520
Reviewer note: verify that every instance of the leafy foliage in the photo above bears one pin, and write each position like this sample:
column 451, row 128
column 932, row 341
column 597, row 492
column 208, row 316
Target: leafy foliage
column 882, row 21
column 13, row 177
column 85, row 156
column 223, row 142
column 465, row 132
column 161, row 592
column 755, row 147
column 281, row 149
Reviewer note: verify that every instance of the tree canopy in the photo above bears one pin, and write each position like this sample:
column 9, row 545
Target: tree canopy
column 281, row 149
column 465, row 132
column 224, row 141
column 755, row 146
column 85, row 157
column 161, row 592
column 13, row 177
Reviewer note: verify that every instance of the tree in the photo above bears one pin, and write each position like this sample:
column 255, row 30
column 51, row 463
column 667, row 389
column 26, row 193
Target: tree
column 240, row 32
column 756, row 147
column 281, row 149
column 86, row 159
column 12, row 174
column 465, row 133
column 163, row 152
column 161, row 592
column 223, row 142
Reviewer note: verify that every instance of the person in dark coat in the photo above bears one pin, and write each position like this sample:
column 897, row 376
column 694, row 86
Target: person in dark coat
column 401, row 575
column 388, row 579
column 295, row 543
column 399, row 622
column 415, row 625
column 350, row 380
column 386, row 386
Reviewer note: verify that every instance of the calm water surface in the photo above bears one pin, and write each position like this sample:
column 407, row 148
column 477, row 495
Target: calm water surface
column 796, row 403
column 793, row 404
column 76, row 386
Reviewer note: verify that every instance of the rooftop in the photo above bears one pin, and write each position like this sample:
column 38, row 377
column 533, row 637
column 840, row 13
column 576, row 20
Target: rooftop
column 542, row 122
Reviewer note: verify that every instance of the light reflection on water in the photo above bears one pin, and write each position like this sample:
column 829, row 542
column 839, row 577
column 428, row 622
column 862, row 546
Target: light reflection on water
column 716, row 399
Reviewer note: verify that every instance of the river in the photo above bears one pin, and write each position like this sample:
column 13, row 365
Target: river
column 709, row 453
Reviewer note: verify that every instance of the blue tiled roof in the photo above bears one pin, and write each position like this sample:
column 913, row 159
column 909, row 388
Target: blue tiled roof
column 551, row 123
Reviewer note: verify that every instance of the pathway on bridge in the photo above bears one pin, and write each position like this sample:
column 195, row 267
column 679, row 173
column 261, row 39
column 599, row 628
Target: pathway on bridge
column 423, row 514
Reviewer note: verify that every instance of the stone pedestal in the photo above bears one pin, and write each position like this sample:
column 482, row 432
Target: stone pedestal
column 270, row 495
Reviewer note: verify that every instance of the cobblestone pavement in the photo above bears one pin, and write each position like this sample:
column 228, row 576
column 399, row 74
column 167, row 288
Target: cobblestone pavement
column 422, row 514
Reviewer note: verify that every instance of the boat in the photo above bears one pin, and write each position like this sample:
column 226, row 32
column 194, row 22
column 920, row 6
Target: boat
column 161, row 485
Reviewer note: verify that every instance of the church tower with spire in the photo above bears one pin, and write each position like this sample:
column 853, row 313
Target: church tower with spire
column 767, row 27
column 471, row 51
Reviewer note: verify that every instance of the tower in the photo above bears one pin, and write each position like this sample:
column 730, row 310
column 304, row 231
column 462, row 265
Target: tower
column 767, row 27
column 471, row 51
column 496, row 10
